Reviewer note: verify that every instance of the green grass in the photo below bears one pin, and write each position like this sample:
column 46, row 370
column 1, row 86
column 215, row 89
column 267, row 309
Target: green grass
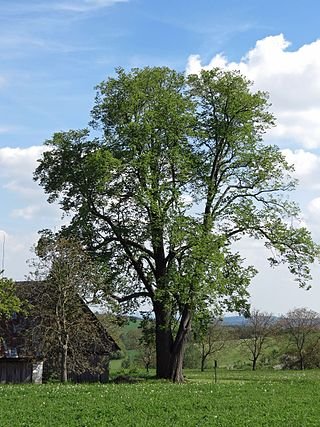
column 115, row 365
column 131, row 324
column 235, row 355
column 240, row 398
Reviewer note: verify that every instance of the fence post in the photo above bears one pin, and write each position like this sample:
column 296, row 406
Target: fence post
column 215, row 371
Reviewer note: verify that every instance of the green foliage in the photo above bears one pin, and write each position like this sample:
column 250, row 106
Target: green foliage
column 9, row 302
column 114, row 326
column 302, row 327
column 131, row 338
column 147, row 341
column 234, row 354
column 178, row 173
column 192, row 357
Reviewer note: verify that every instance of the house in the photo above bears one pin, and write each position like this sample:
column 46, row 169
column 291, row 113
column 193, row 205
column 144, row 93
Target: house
column 30, row 349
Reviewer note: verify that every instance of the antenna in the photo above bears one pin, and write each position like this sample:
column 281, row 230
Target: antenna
column 3, row 248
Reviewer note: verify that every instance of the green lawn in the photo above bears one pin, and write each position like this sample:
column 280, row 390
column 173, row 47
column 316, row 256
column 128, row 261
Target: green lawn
column 240, row 398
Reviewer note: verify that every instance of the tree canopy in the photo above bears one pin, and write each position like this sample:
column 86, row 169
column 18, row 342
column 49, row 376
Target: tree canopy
column 302, row 326
column 173, row 171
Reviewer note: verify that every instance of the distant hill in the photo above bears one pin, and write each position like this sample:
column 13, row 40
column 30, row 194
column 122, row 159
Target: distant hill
column 239, row 320
column 234, row 321
column 134, row 321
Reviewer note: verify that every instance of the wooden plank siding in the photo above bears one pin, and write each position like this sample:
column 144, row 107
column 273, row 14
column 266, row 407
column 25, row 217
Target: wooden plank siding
column 15, row 370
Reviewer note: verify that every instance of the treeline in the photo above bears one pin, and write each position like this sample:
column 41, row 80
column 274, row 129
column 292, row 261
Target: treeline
column 261, row 341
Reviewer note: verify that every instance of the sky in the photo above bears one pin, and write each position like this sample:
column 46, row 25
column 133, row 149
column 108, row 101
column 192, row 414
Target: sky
column 53, row 54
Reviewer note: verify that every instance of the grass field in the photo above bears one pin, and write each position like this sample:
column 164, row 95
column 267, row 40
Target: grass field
column 236, row 354
column 240, row 398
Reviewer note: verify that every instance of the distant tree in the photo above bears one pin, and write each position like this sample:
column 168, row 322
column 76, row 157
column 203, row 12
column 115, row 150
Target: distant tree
column 131, row 338
column 193, row 354
column 64, row 277
column 147, row 341
column 302, row 326
column 211, row 340
column 9, row 302
column 258, row 328
column 114, row 325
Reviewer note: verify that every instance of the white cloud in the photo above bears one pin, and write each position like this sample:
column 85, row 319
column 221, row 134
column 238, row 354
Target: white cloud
column 16, row 172
column 103, row 3
column 40, row 210
column 19, row 162
column 291, row 77
column 314, row 207
column 9, row 41
column 16, row 247
column 312, row 214
column 29, row 212
column 307, row 167
column 26, row 191
column 25, row 8
column 274, row 289
column 4, row 129
column 86, row 5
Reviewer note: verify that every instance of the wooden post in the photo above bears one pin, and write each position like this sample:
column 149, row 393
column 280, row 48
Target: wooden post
column 215, row 371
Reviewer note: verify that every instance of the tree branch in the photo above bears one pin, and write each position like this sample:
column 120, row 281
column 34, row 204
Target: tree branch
column 131, row 296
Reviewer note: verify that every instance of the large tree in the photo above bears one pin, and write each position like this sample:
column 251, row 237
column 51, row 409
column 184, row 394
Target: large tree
column 174, row 172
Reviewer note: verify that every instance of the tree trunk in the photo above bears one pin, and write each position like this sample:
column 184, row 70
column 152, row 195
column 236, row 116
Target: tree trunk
column 64, row 363
column 164, row 341
column 301, row 362
column 177, row 365
column 178, row 348
column 254, row 363
column 203, row 358
column 169, row 352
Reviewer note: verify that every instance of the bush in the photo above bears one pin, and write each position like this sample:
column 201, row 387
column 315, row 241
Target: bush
column 192, row 358
column 291, row 360
column 125, row 364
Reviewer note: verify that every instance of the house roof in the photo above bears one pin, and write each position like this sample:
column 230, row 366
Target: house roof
column 24, row 291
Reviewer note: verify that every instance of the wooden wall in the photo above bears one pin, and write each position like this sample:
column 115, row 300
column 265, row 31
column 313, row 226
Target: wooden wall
column 15, row 370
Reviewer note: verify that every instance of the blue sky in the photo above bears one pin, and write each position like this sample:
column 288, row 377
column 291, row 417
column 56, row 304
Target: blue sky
column 53, row 53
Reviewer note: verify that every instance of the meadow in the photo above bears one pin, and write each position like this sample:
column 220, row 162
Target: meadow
column 239, row 398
